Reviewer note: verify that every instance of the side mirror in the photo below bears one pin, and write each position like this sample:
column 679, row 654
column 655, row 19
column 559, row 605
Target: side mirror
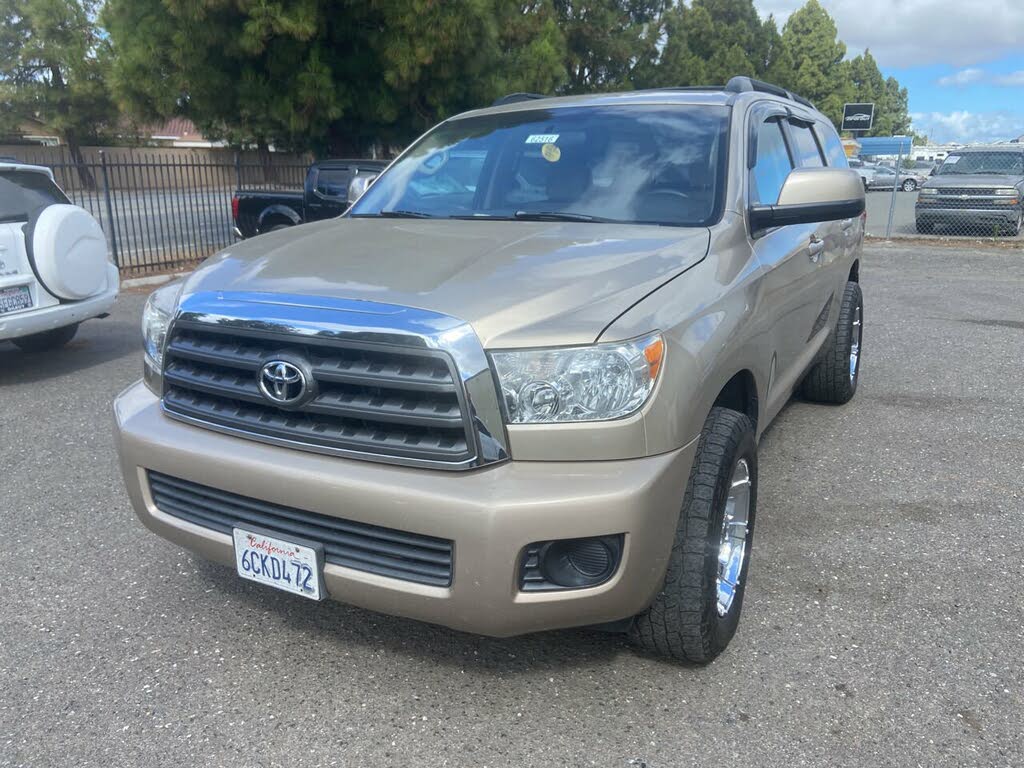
column 811, row 195
column 358, row 185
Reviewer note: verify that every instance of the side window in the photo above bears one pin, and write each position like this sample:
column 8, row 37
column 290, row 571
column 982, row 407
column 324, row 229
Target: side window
column 333, row 182
column 23, row 192
column 772, row 165
column 833, row 148
column 808, row 155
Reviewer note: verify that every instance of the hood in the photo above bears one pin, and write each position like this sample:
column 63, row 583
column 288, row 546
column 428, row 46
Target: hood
column 518, row 283
column 986, row 180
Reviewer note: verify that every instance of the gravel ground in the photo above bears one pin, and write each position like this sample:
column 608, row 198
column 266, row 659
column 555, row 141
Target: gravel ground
column 883, row 622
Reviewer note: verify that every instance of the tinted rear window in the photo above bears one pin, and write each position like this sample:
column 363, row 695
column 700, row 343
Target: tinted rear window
column 807, row 153
column 24, row 192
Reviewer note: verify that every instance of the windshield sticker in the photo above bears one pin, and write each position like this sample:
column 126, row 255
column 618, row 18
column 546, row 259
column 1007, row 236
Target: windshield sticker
column 952, row 159
column 551, row 153
column 542, row 138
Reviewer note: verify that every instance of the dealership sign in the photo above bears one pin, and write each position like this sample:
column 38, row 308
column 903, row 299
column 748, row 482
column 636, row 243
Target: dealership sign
column 858, row 117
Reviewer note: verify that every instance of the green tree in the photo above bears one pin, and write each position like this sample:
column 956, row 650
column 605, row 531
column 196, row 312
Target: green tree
column 52, row 67
column 608, row 40
column 313, row 74
column 820, row 74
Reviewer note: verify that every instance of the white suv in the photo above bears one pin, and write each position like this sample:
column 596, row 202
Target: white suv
column 54, row 270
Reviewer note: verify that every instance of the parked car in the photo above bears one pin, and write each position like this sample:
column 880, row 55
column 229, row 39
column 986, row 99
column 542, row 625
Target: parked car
column 884, row 178
column 520, row 384
column 325, row 195
column 975, row 187
column 54, row 270
column 866, row 171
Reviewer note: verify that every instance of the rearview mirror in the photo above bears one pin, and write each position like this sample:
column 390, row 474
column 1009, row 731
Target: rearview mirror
column 358, row 185
column 811, row 195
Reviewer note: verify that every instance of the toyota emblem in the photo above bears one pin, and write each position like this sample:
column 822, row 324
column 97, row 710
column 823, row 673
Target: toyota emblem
column 282, row 383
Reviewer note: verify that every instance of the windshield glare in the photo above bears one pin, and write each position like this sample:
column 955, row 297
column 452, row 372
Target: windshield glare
column 1001, row 163
column 633, row 164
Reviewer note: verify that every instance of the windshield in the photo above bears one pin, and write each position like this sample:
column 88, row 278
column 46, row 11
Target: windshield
column 23, row 192
column 634, row 164
column 1000, row 163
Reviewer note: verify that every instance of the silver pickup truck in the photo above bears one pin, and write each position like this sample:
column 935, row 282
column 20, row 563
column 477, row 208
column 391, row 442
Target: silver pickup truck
column 520, row 384
column 976, row 189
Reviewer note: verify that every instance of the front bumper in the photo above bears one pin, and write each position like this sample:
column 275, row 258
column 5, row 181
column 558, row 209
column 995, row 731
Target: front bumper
column 30, row 321
column 490, row 514
column 934, row 214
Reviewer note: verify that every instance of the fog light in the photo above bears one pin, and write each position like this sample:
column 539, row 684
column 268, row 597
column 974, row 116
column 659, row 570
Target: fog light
column 570, row 563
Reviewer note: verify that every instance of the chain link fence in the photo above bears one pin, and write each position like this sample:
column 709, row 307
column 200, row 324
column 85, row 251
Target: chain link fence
column 975, row 193
column 163, row 210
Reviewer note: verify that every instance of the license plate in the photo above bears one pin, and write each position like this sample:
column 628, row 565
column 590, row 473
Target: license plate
column 14, row 298
column 279, row 563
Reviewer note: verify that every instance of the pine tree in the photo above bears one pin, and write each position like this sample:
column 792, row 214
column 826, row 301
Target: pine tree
column 52, row 68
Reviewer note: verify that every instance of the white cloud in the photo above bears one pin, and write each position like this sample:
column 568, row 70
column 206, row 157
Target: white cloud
column 1012, row 79
column 918, row 32
column 963, row 77
column 968, row 127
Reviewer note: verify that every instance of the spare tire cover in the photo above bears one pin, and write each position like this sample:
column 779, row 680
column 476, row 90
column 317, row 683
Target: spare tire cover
column 69, row 252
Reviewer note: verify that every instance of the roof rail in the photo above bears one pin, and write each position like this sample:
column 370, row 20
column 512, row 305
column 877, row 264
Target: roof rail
column 740, row 84
column 512, row 98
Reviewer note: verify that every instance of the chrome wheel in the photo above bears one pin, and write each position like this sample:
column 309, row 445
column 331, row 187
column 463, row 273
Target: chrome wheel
column 732, row 544
column 855, row 344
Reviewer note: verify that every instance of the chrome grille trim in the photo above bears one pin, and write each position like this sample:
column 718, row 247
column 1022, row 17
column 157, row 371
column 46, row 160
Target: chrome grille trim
column 426, row 371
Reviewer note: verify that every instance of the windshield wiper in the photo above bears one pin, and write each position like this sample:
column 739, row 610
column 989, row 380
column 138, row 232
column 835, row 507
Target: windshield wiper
column 399, row 214
column 558, row 216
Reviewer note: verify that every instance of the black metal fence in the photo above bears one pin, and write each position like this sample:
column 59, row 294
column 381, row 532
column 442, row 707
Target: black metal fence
column 164, row 211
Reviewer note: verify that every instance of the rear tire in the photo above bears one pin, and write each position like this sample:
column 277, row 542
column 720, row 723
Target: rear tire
column 924, row 227
column 835, row 376
column 686, row 621
column 47, row 340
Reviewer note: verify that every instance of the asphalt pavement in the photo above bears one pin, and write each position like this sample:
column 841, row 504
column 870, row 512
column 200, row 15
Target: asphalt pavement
column 882, row 626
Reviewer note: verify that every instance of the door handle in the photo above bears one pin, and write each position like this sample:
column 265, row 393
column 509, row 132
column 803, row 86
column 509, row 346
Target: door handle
column 814, row 249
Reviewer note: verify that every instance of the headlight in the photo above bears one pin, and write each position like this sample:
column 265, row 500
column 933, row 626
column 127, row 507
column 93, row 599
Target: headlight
column 595, row 383
column 156, row 317
column 929, row 191
column 1007, row 191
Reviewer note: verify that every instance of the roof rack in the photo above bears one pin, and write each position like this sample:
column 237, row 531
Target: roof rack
column 740, row 84
column 512, row 98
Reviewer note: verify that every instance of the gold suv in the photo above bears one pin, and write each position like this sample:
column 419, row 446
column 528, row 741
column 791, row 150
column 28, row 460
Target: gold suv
column 520, row 383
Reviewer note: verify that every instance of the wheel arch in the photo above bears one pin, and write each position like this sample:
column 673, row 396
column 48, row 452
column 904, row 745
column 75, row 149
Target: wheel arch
column 740, row 394
column 854, row 276
column 277, row 214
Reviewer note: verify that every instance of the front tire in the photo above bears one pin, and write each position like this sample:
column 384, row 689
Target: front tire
column 909, row 185
column 925, row 227
column 697, row 611
column 835, row 376
column 47, row 340
column 1012, row 230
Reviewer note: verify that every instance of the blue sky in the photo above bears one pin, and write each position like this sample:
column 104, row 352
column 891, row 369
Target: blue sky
column 962, row 61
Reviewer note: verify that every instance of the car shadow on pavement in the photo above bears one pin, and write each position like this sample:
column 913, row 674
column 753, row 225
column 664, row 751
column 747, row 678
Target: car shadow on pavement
column 346, row 625
column 81, row 353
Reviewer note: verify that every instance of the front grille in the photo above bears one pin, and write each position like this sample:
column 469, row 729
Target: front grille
column 372, row 401
column 964, row 197
column 971, row 191
column 360, row 546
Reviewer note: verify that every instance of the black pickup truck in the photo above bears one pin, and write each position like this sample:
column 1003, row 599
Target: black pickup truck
column 324, row 195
